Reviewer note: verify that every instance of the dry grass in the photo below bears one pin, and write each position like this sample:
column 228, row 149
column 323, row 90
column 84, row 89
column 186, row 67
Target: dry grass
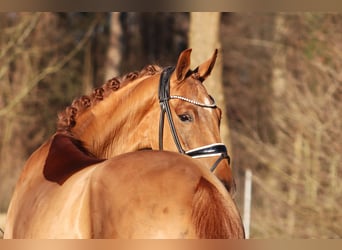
column 2, row 223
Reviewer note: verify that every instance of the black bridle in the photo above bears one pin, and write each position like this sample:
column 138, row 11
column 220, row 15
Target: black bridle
column 215, row 149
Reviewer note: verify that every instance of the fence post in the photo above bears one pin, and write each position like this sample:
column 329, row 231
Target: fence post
column 247, row 202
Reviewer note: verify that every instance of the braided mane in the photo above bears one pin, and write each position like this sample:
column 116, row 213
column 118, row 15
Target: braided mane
column 67, row 118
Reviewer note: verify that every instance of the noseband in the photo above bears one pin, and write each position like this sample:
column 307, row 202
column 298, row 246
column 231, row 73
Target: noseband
column 211, row 150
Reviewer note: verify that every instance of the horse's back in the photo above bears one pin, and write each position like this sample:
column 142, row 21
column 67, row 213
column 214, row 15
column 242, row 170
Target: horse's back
column 154, row 194
column 146, row 194
column 142, row 195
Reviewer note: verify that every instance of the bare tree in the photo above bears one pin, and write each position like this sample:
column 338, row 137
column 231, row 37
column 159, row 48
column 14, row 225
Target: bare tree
column 114, row 47
column 297, row 192
column 29, row 57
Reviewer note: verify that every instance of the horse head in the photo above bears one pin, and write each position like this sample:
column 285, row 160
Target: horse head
column 193, row 116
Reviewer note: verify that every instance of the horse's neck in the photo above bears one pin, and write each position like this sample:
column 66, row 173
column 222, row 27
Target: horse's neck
column 114, row 125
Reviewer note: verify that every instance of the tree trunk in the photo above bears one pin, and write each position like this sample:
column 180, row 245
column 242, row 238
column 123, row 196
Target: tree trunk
column 278, row 82
column 88, row 76
column 204, row 39
column 114, row 47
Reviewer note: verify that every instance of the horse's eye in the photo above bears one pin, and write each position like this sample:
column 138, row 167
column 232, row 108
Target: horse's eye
column 185, row 118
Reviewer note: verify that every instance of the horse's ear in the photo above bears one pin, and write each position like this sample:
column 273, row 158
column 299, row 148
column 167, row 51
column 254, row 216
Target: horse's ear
column 205, row 68
column 183, row 65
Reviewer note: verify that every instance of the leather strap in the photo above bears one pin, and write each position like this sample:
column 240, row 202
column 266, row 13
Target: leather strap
column 164, row 97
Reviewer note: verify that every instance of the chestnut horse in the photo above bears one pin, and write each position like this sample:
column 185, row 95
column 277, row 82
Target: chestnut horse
column 72, row 186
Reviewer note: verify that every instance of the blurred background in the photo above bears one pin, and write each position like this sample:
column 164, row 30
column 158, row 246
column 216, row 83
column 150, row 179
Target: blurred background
column 278, row 79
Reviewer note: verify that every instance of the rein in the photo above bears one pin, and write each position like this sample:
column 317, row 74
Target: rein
column 211, row 150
